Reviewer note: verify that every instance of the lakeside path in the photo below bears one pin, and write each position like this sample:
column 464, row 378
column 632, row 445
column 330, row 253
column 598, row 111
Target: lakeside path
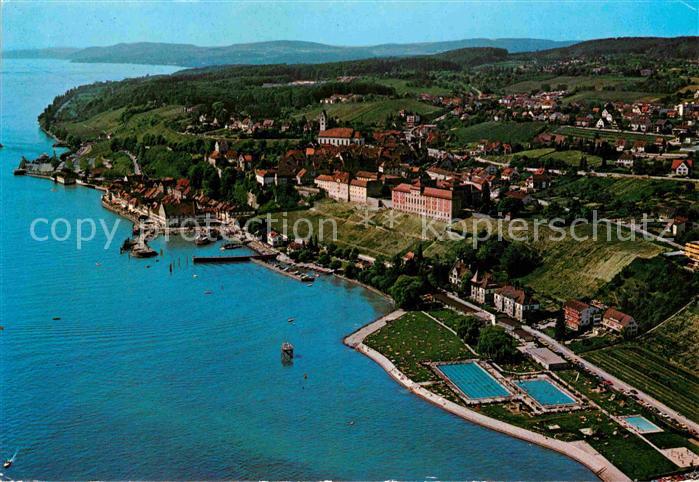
column 579, row 451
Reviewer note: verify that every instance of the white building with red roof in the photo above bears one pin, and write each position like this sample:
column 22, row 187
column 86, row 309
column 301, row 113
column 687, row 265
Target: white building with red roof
column 620, row 322
column 340, row 136
column 578, row 314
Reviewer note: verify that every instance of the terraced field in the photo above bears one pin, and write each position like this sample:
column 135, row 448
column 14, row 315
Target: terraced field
column 570, row 83
column 676, row 387
column 585, row 133
column 372, row 112
column 510, row 132
column 677, row 339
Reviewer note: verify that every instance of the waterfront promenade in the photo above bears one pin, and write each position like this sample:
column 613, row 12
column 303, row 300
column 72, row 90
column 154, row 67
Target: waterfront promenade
column 579, row 451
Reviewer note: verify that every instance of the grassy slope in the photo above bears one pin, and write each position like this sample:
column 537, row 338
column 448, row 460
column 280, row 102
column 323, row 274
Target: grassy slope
column 571, row 158
column 511, row 132
column 573, row 268
column 677, row 339
column 371, row 112
column 590, row 134
column 598, row 82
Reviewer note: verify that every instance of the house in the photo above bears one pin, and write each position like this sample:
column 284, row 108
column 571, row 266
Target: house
column 626, row 159
column 538, row 181
column 340, row 136
column 360, row 190
column 620, row 322
column 303, row 177
column 682, row 167
column 691, row 251
column 265, row 177
column 483, row 288
column 514, row 302
column 175, row 214
column 678, row 225
column 457, row 273
column 336, row 185
column 524, row 197
column 578, row 314
column 275, row 239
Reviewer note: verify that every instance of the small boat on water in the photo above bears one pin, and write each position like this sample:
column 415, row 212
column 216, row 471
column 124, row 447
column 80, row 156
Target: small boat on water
column 143, row 252
column 228, row 246
column 202, row 240
column 8, row 462
column 290, row 320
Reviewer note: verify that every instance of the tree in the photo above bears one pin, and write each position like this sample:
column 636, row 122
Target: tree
column 560, row 330
column 407, row 290
column 495, row 343
column 469, row 329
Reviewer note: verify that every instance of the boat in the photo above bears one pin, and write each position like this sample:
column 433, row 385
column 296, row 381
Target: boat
column 202, row 240
column 228, row 246
column 19, row 172
column 8, row 462
column 290, row 320
column 143, row 251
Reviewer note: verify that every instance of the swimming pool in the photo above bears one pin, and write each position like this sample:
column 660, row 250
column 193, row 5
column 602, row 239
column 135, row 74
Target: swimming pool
column 545, row 392
column 473, row 380
column 642, row 424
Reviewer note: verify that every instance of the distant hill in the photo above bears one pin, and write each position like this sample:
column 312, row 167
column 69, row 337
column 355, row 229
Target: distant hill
column 275, row 52
column 50, row 53
column 470, row 57
column 675, row 47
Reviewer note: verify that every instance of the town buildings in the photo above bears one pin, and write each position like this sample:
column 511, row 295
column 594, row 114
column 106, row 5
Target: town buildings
column 514, row 302
column 483, row 287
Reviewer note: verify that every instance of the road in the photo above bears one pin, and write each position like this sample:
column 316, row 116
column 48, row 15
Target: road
column 136, row 167
column 616, row 383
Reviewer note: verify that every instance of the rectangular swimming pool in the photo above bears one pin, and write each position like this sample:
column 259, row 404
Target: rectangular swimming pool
column 545, row 392
column 642, row 424
column 473, row 380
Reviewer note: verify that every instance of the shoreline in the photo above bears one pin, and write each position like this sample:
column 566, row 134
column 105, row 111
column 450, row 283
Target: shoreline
column 579, row 451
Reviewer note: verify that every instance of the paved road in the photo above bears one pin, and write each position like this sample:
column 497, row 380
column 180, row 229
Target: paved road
column 136, row 167
column 616, row 383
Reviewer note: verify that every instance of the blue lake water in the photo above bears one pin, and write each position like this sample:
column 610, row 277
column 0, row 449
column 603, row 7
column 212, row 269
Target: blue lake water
column 545, row 392
column 473, row 380
column 146, row 377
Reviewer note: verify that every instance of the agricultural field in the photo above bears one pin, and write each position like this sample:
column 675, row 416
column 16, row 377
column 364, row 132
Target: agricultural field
column 590, row 133
column 576, row 269
column 677, row 387
column 402, row 87
column 570, row 83
column 600, row 96
column 370, row 112
column 570, row 158
column 676, row 339
column 510, row 132
column 153, row 122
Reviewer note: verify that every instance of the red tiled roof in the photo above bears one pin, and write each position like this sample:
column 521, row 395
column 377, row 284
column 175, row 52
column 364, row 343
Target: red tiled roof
column 678, row 162
column 576, row 305
column 342, row 132
column 514, row 293
column 622, row 318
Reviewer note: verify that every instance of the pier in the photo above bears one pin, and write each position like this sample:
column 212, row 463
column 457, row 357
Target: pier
column 232, row 259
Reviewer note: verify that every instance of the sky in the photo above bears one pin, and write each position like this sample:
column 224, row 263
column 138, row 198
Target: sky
column 37, row 24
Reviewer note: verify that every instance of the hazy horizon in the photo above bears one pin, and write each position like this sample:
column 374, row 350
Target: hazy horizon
column 36, row 25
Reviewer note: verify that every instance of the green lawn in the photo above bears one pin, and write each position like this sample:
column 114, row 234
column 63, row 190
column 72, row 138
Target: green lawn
column 612, row 96
column 676, row 387
column 413, row 339
column 370, row 112
column 402, row 87
column 571, row 158
column 510, row 132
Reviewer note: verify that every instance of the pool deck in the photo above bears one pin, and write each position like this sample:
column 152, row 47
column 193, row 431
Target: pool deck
column 599, row 465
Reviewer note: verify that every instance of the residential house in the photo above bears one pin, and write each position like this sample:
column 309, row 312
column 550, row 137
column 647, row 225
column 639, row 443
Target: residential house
column 340, row 136
column 620, row 322
column 457, row 273
column 335, row 185
column 682, row 167
column 578, row 314
column 483, row 288
column 265, row 177
column 514, row 302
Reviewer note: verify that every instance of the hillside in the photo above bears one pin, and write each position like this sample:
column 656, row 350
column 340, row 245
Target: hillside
column 275, row 52
column 653, row 47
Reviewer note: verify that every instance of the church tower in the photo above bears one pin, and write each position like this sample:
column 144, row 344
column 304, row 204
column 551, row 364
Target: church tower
column 323, row 121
